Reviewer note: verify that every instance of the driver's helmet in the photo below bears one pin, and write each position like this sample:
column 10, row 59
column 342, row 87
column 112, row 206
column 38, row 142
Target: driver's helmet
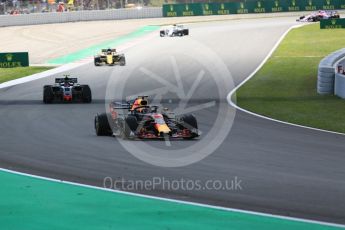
column 109, row 51
column 137, row 103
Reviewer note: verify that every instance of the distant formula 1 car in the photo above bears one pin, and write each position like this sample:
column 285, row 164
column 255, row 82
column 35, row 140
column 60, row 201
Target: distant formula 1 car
column 66, row 90
column 109, row 57
column 175, row 30
column 136, row 119
column 316, row 17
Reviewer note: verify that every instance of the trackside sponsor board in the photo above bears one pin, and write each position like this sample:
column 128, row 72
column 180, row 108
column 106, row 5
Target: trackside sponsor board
column 15, row 59
column 246, row 7
column 338, row 23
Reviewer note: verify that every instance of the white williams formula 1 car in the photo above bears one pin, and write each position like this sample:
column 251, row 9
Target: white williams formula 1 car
column 175, row 30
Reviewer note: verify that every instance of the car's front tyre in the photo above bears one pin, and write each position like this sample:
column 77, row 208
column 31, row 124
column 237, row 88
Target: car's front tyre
column 87, row 95
column 48, row 95
column 130, row 125
column 102, row 126
column 189, row 122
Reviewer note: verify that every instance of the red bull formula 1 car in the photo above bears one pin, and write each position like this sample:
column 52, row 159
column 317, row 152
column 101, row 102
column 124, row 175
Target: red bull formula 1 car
column 137, row 119
column 66, row 90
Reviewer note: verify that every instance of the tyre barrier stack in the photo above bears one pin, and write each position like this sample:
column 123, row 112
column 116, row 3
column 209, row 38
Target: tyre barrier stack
column 326, row 78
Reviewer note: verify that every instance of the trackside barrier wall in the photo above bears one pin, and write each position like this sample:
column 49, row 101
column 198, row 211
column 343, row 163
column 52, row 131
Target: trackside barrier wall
column 326, row 74
column 334, row 23
column 75, row 16
column 339, row 81
column 339, row 85
column 250, row 6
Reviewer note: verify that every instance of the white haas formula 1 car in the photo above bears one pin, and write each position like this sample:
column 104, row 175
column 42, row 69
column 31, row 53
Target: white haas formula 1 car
column 175, row 30
column 66, row 90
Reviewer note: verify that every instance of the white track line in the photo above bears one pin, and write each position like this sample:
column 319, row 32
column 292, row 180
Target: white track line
column 233, row 104
column 179, row 201
column 194, row 203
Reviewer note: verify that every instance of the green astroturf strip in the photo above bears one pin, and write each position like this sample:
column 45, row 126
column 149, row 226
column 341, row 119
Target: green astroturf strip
column 31, row 203
column 90, row 51
column 285, row 87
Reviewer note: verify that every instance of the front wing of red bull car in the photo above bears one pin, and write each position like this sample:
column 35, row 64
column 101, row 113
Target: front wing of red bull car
column 155, row 125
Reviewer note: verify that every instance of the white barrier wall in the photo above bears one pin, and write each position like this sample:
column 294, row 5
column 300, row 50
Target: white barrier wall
column 75, row 16
column 339, row 85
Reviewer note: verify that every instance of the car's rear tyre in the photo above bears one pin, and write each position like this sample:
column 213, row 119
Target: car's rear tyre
column 48, row 95
column 317, row 19
column 122, row 61
column 130, row 125
column 189, row 122
column 97, row 62
column 87, row 95
column 102, row 126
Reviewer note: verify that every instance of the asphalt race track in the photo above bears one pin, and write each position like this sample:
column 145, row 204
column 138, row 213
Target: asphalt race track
column 284, row 170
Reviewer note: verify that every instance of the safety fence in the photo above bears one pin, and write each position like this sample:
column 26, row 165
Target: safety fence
column 75, row 16
column 250, row 6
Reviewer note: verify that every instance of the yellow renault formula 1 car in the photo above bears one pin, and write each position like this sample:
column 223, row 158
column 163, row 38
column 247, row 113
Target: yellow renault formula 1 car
column 137, row 119
column 109, row 57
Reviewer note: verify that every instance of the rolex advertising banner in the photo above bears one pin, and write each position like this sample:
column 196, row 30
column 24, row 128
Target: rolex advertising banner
column 16, row 59
column 178, row 10
column 223, row 8
column 260, row 6
column 335, row 23
column 276, row 6
column 341, row 4
column 250, row 6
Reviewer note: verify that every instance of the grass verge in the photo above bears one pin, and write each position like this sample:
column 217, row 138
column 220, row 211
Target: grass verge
column 7, row 74
column 285, row 87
